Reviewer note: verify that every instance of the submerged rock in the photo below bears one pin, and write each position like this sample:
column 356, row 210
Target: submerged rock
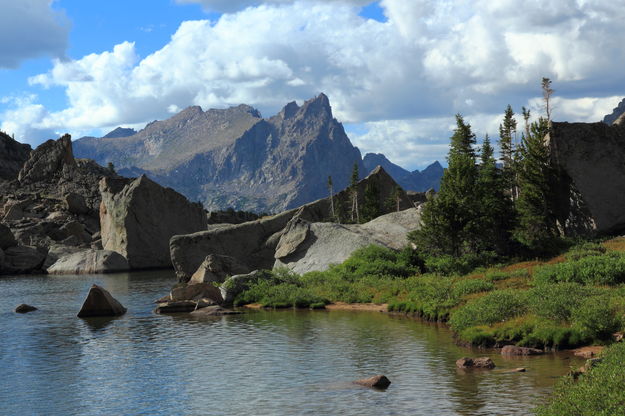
column 99, row 302
column 481, row 362
column 138, row 218
column 379, row 382
column 514, row 350
column 24, row 308
column 89, row 262
column 214, row 311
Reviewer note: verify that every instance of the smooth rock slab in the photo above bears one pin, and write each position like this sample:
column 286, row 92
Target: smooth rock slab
column 90, row 262
column 481, row 362
column 514, row 350
column 378, row 382
column 99, row 302
column 24, row 308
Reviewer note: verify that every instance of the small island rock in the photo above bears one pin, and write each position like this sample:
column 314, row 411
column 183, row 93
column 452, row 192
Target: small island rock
column 481, row 362
column 514, row 350
column 24, row 308
column 99, row 302
column 379, row 382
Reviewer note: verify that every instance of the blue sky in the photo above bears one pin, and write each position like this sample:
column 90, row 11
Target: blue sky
column 395, row 71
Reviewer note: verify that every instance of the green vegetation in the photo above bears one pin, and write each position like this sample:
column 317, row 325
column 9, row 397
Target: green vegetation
column 598, row 392
column 578, row 299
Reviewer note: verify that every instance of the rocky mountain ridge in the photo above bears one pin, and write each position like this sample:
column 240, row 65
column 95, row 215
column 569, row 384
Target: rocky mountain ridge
column 235, row 158
column 420, row 181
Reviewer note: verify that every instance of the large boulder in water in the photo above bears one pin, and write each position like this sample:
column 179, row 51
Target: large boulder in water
column 305, row 247
column 89, row 262
column 138, row 217
column 22, row 259
column 99, row 302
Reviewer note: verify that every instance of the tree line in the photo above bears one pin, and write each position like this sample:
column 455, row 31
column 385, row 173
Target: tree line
column 490, row 209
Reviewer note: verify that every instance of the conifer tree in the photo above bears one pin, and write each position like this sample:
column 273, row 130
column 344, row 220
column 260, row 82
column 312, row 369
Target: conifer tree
column 495, row 209
column 448, row 221
column 331, row 191
column 371, row 207
column 354, row 193
column 536, row 223
column 507, row 146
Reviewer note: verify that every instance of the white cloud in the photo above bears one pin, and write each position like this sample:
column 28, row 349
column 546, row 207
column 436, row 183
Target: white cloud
column 29, row 29
column 402, row 79
column 229, row 6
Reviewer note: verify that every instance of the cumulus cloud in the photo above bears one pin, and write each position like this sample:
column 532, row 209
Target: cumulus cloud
column 229, row 6
column 29, row 29
column 401, row 80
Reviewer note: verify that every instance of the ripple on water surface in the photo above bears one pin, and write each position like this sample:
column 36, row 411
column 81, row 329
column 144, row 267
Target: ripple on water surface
column 259, row 363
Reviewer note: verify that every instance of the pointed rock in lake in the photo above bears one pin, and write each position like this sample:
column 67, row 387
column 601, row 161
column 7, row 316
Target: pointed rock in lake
column 99, row 302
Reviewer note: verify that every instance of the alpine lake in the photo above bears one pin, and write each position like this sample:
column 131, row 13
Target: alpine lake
column 262, row 362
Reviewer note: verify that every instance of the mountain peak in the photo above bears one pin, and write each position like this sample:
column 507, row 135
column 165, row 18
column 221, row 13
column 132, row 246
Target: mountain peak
column 289, row 110
column 120, row 132
column 318, row 105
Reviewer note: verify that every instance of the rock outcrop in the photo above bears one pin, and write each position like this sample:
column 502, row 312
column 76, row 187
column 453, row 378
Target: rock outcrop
column 591, row 177
column 216, row 268
column 305, row 246
column 481, row 362
column 138, row 217
column 13, row 155
column 48, row 159
column 89, row 262
column 52, row 207
column 99, row 302
column 253, row 244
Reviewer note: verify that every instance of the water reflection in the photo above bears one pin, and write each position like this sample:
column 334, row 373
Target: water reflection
column 261, row 363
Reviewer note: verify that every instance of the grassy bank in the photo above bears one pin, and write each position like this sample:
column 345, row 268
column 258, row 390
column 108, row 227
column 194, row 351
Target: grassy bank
column 575, row 299
column 599, row 392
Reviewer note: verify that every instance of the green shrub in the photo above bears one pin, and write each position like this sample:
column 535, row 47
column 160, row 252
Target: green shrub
column 377, row 261
column 605, row 269
column 585, row 250
column 557, row 301
column 598, row 392
column 497, row 275
column 464, row 287
column 494, row 307
column 596, row 318
column 451, row 265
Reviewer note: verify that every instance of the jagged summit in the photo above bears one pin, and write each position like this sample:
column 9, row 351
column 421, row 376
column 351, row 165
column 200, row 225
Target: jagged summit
column 119, row 132
column 234, row 158
column 418, row 181
column 618, row 111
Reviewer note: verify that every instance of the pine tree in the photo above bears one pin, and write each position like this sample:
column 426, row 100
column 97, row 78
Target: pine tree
column 495, row 209
column 536, row 223
column 507, row 146
column 448, row 221
column 371, row 206
column 331, row 191
column 354, row 193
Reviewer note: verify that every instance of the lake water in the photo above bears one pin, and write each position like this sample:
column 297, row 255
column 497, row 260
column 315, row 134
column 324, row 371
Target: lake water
column 258, row 363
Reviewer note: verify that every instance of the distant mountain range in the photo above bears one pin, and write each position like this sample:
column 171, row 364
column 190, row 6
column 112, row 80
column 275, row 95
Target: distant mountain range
column 235, row 158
